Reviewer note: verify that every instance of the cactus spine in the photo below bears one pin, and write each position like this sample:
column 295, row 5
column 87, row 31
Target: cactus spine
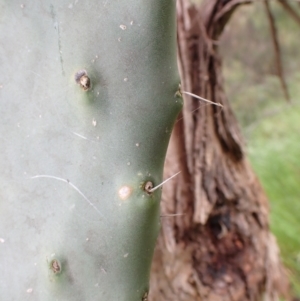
column 88, row 100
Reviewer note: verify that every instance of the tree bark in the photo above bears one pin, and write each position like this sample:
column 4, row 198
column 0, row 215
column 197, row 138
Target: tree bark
column 215, row 242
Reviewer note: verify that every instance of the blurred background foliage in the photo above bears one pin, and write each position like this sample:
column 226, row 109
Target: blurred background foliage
column 271, row 126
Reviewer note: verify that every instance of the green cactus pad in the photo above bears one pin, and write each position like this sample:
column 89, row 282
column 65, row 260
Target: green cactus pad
column 87, row 103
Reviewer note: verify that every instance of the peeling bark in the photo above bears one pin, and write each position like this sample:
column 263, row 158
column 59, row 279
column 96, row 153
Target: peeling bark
column 219, row 246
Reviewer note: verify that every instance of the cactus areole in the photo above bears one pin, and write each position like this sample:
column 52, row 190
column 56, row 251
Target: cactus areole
column 88, row 101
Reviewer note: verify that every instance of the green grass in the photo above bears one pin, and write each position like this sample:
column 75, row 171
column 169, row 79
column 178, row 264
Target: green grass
column 274, row 150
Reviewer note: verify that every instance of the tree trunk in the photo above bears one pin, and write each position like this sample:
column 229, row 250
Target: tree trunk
column 215, row 242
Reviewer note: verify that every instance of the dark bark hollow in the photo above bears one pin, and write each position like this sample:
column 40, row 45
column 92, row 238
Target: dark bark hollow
column 216, row 242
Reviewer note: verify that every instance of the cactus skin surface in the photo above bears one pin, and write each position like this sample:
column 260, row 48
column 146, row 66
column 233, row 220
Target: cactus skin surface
column 87, row 106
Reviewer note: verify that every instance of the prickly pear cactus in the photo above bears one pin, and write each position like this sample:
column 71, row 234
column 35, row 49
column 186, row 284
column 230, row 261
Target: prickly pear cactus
column 87, row 104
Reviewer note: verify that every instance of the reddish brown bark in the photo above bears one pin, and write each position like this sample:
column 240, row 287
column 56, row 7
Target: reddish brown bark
column 219, row 246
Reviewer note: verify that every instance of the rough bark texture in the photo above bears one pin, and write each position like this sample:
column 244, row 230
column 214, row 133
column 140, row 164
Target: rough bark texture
column 216, row 242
